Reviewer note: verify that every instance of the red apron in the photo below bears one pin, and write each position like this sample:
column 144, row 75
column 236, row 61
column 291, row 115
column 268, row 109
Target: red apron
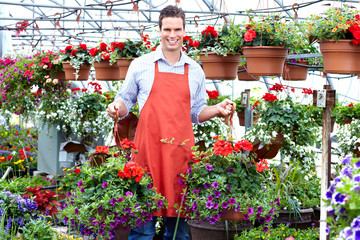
column 166, row 114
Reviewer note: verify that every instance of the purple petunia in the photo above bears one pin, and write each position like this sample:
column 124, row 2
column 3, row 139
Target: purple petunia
column 260, row 209
column 210, row 198
column 225, row 205
column 215, row 185
column 246, row 216
column 250, row 210
column 267, row 218
column 128, row 193
column 339, row 198
column 329, row 195
column 232, row 201
column 209, row 205
column 215, row 205
column 208, row 167
column 217, row 194
column 76, row 211
column 231, row 170
column 207, row 185
column 346, row 160
column 80, row 183
column 181, row 182
column 104, row 185
column 160, row 203
column 82, row 190
column 194, row 206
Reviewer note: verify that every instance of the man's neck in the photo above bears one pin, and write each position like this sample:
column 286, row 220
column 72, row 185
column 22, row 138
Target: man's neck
column 172, row 57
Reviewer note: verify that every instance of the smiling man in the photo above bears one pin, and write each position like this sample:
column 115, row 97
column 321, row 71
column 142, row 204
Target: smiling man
column 170, row 90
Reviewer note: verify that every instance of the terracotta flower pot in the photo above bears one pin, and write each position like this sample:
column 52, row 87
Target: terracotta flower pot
column 265, row 60
column 295, row 73
column 241, row 116
column 271, row 150
column 123, row 65
column 83, row 73
column 220, row 67
column 106, row 72
column 341, row 56
column 60, row 75
column 245, row 76
column 232, row 215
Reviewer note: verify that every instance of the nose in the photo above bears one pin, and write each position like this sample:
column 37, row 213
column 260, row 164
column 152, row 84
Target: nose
column 172, row 33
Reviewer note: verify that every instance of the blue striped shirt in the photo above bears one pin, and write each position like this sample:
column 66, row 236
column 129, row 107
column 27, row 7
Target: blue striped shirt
column 140, row 77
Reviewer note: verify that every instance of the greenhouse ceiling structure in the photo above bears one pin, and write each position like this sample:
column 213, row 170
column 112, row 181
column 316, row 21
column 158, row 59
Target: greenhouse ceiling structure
column 52, row 24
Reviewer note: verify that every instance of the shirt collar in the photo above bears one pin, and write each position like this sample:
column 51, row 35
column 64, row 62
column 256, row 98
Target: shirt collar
column 159, row 55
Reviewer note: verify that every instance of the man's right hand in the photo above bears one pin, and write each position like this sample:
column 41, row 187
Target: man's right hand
column 115, row 106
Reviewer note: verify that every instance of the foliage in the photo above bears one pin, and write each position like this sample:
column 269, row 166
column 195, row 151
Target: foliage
column 45, row 199
column 281, row 232
column 38, row 230
column 25, row 80
column 272, row 30
column 101, row 52
column 343, row 200
column 226, row 177
column 346, row 112
column 15, row 212
column 114, row 194
column 336, row 23
column 213, row 127
column 289, row 118
column 348, row 138
column 295, row 189
column 46, row 65
column 18, row 147
column 18, row 185
column 222, row 42
column 15, row 85
column 88, row 113
column 77, row 55
column 131, row 49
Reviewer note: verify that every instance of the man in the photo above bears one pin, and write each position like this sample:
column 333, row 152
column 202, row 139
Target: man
column 170, row 90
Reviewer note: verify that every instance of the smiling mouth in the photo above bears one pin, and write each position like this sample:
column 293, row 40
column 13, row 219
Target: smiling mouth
column 172, row 41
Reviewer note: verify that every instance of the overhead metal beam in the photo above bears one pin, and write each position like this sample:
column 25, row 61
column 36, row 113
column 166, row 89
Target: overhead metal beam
column 42, row 19
column 103, row 9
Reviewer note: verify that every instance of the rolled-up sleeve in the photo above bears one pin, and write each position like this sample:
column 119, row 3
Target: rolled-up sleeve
column 199, row 97
column 129, row 91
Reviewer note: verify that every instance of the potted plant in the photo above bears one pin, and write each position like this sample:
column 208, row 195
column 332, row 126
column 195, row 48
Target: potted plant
column 16, row 86
column 46, row 65
column 226, row 183
column 298, row 191
column 342, row 200
column 205, row 132
column 285, row 125
column 110, row 194
column 345, row 113
column 125, row 52
column 76, row 61
column 104, row 69
column 265, row 42
column 348, row 139
column 336, row 31
column 241, row 110
column 300, row 45
column 219, row 57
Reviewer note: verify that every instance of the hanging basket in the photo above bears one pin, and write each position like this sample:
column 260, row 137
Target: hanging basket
column 106, row 72
column 220, row 67
column 83, row 74
column 295, row 73
column 265, row 60
column 123, row 66
column 340, row 57
column 245, row 76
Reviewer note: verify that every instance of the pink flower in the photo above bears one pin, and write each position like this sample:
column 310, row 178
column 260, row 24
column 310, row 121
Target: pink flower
column 289, row 238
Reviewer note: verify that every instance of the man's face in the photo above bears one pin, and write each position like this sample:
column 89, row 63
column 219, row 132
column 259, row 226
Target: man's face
column 172, row 33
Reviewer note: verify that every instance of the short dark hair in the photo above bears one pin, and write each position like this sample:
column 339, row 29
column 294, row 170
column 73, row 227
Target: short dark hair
column 171, row 11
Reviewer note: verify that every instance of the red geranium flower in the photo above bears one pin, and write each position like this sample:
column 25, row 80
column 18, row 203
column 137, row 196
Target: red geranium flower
column 270, row 97
column 249, row 35
column 77, row 171
column 210, row 30
column 103, row 46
